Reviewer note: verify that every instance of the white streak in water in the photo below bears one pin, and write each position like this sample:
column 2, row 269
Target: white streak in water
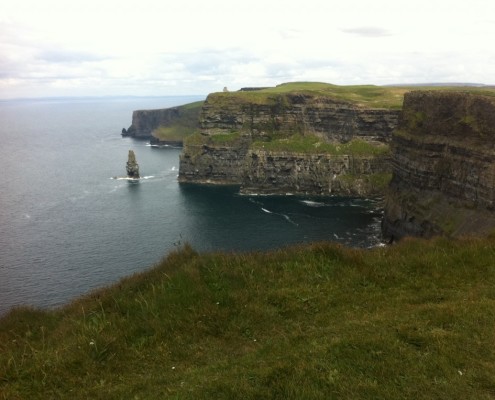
column 282, row 215
column 310, row 203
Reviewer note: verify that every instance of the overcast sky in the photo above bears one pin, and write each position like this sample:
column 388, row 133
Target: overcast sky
column 158, row 47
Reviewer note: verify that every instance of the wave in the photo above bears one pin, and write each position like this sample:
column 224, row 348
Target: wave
column 125, row 178
column 310, row 203
column 163, row 146
column 286, row 217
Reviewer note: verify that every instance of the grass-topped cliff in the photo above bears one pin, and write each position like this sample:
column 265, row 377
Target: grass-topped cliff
column 415, row 320
column 303, row 138
column 166, row 124
column 299, row 138
column 176, row 130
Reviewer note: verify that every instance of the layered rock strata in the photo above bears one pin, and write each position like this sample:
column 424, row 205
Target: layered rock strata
column 229, row 125
column 443, row 160
column 326, row 117
column 268, row 172
column 132, row 166
column 146, row 122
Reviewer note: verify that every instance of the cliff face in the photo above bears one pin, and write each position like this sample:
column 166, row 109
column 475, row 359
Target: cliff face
column 443, row 160
column 268, row 172
column 144, row 122
column 230, row 125
column 164, row 125
column 213, row 163
column 286, row 114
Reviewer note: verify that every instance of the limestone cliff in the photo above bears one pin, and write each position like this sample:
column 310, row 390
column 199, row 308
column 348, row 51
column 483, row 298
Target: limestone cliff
column 144, row 122
column 269, row 172
column 443, row 158
column 234, row 126
column 164, row 125
column 284, row 114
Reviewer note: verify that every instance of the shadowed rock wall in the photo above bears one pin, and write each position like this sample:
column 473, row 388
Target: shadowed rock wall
column 443, row 161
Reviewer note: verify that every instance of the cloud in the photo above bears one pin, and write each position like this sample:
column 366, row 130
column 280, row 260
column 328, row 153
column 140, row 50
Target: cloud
column 50, row 48
column 367, row 31
column 64, row 56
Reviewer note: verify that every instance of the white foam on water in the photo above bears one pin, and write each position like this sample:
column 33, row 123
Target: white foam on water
column 310, row 203
column 286, row 217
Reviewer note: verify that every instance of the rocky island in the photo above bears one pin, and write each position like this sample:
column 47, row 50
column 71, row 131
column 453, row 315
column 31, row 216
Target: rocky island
column 132, row 167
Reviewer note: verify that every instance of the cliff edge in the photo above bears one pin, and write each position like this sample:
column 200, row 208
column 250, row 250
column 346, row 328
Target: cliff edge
column 299, row 138
column 443, row 161
column 167, row 125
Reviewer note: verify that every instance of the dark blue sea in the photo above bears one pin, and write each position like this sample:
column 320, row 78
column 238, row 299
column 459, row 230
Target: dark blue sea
column 67, row 227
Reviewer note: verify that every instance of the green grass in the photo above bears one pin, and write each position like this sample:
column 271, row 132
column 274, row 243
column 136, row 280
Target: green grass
column 411, row 321
column 377, row 182
column 313, row 144
column 365, row 95
column 185, row 125
column 225, row 137
column 196, row 139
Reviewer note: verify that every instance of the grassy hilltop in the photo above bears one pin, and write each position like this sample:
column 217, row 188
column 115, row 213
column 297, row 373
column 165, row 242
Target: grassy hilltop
column 371, row 96
column 412, row 321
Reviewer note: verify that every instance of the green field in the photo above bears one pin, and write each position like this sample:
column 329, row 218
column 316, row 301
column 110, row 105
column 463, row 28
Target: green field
column 412, row 321
column 365, row 95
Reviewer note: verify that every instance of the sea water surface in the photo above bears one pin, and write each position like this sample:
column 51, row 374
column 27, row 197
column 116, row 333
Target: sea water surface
column 67, row 226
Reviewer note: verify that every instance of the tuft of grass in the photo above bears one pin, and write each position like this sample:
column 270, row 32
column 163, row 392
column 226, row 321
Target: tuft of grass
column 225, row 137
column 414, row 320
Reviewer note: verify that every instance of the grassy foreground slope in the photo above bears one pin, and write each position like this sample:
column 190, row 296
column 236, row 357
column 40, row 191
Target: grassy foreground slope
column 412, row 321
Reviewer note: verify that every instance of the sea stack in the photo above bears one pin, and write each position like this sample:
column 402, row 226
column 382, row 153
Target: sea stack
column 132, row 166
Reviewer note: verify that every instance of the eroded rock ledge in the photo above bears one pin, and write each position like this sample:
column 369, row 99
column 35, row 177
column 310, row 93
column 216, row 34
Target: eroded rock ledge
column 443, row 160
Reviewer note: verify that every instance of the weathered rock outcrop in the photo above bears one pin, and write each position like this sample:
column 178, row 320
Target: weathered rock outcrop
column 268, row 172
column 132, row 166
column 230, row 125
column 443, row 157
column 206, row 161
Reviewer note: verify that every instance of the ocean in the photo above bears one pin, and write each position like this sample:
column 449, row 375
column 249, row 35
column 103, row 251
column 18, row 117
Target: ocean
column 68, row 227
